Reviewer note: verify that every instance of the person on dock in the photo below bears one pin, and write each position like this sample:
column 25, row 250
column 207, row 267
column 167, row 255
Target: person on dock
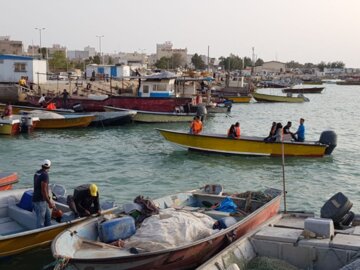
column 196, row 126
column 300, row 133
column 287, row 133
column 41, row 199
column 65, row 97
column 85, row 200
column 271, row 133
column 42, row 101
column 8, row 111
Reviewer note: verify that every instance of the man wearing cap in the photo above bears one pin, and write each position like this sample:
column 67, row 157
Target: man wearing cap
column 85, row 200
column 41, row 199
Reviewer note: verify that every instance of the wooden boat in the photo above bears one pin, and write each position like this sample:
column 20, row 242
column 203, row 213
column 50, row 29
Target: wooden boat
column 239, row 99
column 304, row 90
column 17, row 109
column 18, row 231
column 284, row 240
column 156, row 117
column 79, row 247
column 7, row 180
column 50, row 120
column 248, row 145
column 275, row 98
column 162, row 104
column 9, row 126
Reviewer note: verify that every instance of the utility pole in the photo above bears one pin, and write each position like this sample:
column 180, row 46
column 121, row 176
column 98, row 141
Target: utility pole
column 208, row 59
column 101, row 57
column 40, row 29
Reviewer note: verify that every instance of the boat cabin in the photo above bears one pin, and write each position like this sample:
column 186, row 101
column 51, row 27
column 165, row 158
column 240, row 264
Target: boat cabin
column 158, row 85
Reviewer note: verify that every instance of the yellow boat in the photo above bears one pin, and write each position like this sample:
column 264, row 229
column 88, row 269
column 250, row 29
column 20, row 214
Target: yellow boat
column 239, row 99
column 18, row 231
column 9, row 126
column 17, row 109
column 247, row 145
column 50, row 120
column 275, row 98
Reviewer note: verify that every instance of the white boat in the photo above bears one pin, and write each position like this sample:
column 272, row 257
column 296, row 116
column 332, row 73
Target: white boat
column 156, row 117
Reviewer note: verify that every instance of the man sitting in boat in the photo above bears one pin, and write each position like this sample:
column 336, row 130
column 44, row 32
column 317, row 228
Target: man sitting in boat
column 7, row 110
column 196, row 126
column 271, row 133
column 85, row 200
column 288, row 135
column 300, row 133
column 234, row 131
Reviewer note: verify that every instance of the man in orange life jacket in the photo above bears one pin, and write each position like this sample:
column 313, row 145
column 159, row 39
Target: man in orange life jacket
column 237, row 130
column 196, row 126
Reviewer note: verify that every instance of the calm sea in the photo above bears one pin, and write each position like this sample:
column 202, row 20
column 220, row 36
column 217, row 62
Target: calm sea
column 134, row 159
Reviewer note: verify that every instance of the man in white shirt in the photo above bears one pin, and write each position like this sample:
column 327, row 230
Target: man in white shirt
column 42, row 101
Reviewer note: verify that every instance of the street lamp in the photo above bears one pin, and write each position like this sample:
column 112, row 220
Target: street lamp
column 40, row 29
column 100, row 48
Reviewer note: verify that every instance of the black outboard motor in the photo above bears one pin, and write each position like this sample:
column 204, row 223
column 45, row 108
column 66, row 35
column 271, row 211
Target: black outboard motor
column 26, row 123
column 338, row 208
column 77, row 107
column 329, row 138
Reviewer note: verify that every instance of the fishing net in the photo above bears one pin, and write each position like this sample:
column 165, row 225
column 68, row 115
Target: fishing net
column 265, row 263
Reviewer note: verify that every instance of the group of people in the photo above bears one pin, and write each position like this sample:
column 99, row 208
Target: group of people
column 84, row 201
column 51, row 105
column 234, row 131
column 278, row 132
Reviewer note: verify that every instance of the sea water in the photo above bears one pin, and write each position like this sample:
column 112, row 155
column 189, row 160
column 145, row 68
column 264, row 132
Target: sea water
column 134, row 159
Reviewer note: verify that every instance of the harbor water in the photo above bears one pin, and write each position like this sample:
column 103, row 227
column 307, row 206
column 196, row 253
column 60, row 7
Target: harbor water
column 134, row 159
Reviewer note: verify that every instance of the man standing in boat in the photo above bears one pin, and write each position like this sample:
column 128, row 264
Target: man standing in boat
column 41, row 199
column 65, row 95
column 300, row 133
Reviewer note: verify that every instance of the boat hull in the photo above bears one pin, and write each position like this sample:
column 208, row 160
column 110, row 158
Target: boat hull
column 112, row 118
column 309, row 90
column 240, row 99
column 156, row 117
column 242, row 146
column 9, row 127
column 274, row 98
column 7, row 180
column 130, row 103
column 67, row 122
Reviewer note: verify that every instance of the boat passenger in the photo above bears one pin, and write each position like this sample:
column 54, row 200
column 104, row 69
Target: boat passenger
column 41, row 199
column 196, row 126
column 85, row 200
column 287, row 133
column 300, row 133
column 51, row 106
column 231, row 132
column 42, row 101
column 271, row 133
column 65, row 95
column 278, row 133
column 237, row 130
column 8, row 111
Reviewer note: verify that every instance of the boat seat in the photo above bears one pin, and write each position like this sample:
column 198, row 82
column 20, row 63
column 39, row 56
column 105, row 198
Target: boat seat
column 23, row 217
column 10, row 227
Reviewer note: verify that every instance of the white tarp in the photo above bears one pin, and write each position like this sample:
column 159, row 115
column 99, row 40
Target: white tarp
column 171, row 228
column 45, row 114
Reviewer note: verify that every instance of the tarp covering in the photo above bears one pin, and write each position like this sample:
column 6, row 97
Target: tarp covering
column 170, row 229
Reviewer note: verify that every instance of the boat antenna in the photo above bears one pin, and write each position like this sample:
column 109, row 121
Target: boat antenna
column 283, row 169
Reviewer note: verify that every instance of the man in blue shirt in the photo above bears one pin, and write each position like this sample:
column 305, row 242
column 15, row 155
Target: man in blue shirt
column 300, row 133
column 41, row 199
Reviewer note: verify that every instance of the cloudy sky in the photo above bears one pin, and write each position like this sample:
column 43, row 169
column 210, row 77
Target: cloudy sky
column 283, row 30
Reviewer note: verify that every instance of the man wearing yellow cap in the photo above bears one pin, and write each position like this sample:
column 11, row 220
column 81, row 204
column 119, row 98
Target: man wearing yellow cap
column 85, row 200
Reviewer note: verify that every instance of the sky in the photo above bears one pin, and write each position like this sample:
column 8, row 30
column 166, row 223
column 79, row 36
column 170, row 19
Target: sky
column 306, row 31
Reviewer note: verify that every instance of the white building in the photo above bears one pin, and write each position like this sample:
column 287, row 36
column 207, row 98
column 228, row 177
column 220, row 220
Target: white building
column 13, row 67
column 107, row 71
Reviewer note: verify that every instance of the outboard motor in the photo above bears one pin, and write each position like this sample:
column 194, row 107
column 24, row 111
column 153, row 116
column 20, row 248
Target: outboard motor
column 338, row 208
column 26, row 124
column 329, row 138
column 78, row 107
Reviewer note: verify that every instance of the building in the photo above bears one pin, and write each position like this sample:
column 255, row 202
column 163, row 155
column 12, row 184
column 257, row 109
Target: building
column 8, row 46
column 134, row 60
column 166, row 50
column 106, row 71
column 56, row 48
column 91, row 51
column 77, row 55
column 271, row 67
column 13, row 67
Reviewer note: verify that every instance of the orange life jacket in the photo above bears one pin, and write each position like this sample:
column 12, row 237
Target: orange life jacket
column 51, row 106
column 237, row 132
column 196, row 127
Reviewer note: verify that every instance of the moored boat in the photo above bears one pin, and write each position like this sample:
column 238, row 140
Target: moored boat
column 156, row 117
column 9, row 126
column 239, row 99
column 259, row 97
column 80, row 246
column 112, row 118
column 50, row 120
column 249, row 145
column 304, row 90
column 17, row 109
column 7, row 180
column 18, row 231
column 295, row 240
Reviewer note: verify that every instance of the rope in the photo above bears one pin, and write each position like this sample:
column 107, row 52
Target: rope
column 61, row 263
